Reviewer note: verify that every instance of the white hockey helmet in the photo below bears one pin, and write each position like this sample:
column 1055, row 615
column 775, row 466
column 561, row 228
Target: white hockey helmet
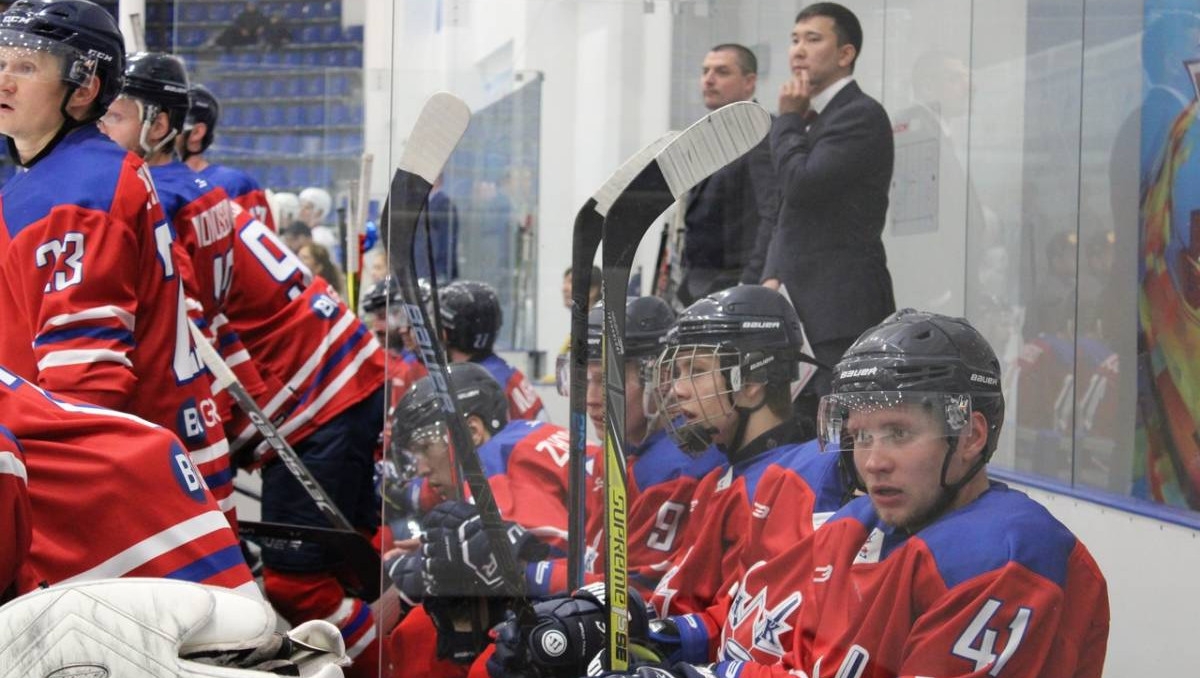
column 318, row 201
column 285, row 207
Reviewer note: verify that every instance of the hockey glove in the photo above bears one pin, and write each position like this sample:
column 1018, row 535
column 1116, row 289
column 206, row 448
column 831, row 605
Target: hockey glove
column 467, row 551
column 407, row 572
column 567, row 639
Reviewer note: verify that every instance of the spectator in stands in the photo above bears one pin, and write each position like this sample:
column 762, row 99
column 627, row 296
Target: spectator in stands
column 247, row 28
column 276, row 32
column 315, row 207
column 316, row 258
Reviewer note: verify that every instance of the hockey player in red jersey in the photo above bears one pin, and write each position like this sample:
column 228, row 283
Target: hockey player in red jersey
column 470, row 324
column 299, row 331
column 91, row 295
column 199, row 127
column 145, row 119
column 16, row 519
column 385, row 311
column 84, row 460
column 937, row 571
column 725, row 380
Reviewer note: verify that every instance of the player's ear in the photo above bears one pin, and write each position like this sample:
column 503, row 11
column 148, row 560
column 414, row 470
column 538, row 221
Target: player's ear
column 83, row 97
column 479, row 433
column 974, row 437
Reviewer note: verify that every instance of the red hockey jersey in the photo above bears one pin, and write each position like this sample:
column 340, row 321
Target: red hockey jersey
column 16, row 519
column 741, row 514
column 995, row 588
column 298, row 330
column 523, row 401
column 113, row 495
column 243, row 190
column 91, row 291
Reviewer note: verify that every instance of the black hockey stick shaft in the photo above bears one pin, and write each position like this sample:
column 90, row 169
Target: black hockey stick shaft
column 706, row 146
column 362, row 558
column 438, row 129
column 589, row 227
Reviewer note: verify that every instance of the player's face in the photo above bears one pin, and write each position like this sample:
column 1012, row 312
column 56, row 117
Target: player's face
column 31, row 94
column 434, row 464
column 123, row 123
column 722, row 80
column 701, row 391
column 635, row 412
column 595, row 396
column 899, row 453
column 815, row 50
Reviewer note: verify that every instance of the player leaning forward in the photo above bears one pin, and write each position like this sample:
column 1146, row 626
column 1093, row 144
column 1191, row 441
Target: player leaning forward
column 937, row 570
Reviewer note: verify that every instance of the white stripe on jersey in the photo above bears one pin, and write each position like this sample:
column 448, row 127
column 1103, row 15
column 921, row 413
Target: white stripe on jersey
column 301, row 376
column 306, row 414
column 94, row 313
column 154, row 546
column 206, row 455
column 238, row 358
column 82, row 357
column 218, row 321
column 356, row 649
column 11, row 465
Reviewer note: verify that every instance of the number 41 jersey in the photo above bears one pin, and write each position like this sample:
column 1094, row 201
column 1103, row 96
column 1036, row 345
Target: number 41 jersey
column 996, row 588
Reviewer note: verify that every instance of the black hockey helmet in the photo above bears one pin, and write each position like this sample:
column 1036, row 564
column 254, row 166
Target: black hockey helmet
column 752, row 334
column 381, row 294
column 81, row 33
column 940, row 363
column 479, row 393
column 160, row 82
column 470, row 316
column 204, row 108
column 647, row 322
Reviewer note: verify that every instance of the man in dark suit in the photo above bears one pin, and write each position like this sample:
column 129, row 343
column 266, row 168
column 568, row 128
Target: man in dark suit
column 833, row 151
column 725, row 211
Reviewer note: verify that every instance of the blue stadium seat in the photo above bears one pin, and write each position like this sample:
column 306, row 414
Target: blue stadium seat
column 331, row 33
column 256, row 116
column 276, row 115
column 331, row 58
column 314, row 114
column 265, row 143
column 193, row 11
column 353, row 34
column 353, row 58
column 221, row 11
column 276, row 87
column 299, row 175
column 309, row 34
column 339, row 84
column 249, row 58
column 314, row 86
column 272, row 57
column 232, row 116
column 289, row 144
column 293, row 57
column 276, row 177
column 310, row 57
column 294, row 10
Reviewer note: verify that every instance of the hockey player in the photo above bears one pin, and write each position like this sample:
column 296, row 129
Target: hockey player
column 470, row 322
column 84, row 460
column 91, row 296
column 725, row 380
column 298, row 331
column 937, row 571
column 198, row 130
column 145, row 119
column 15, row 514
column 385, row 311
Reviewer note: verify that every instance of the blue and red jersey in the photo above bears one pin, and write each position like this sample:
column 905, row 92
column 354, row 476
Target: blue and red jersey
column 92, row 291
column 243, row 190
column 297, row 329
column 995, row 588
column 523, row 402
column 16, row 519
column 147, row 510
column 743, row 513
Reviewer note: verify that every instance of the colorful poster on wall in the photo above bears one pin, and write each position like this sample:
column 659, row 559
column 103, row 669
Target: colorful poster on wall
column 1167, row 459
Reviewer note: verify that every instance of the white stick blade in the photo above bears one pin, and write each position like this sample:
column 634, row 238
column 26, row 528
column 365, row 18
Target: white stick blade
column 607, row 194
column 441, row 124
column 222, row 375
column 711, row 143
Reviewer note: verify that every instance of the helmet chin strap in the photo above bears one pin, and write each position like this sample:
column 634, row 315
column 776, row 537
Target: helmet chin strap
column 950, row 491
column 743, row 413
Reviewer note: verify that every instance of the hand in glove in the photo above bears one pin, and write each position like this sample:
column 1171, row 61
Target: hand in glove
column 567, row 639
column 457, row 546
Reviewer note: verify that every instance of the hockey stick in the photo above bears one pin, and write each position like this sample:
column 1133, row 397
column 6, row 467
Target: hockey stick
column 584, row 242
column 438, row 128
column 701, row 149
column 364, row 562
column 355, row 225
column 226, row 379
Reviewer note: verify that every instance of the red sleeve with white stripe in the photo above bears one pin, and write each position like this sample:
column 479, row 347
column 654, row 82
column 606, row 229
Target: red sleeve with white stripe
column 15, row 523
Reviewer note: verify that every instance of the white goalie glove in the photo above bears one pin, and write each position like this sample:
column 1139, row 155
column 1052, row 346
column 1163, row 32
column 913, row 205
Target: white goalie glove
column 160, row 628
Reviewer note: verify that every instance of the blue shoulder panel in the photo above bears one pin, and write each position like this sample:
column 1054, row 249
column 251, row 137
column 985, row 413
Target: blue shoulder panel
column 659, row 460
column 233, row 180
column 495, row 452
column 1001, row 526
column 500, row 370
column 178, row 186
column 83, row 170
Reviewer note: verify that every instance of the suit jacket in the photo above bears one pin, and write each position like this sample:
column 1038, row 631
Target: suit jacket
column 826, row 246
column 725, row 213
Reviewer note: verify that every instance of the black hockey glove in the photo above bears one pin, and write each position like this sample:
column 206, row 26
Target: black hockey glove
column 567, row 639
column 464, row 551
column 407, row 572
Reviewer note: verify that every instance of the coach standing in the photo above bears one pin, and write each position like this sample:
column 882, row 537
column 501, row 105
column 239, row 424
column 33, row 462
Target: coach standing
column 833, row 150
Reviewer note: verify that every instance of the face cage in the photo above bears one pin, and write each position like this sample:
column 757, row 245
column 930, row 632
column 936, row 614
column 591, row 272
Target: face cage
column 75, row 68
column 562, row 381
column 948, row 413
column 712, row 389
column 148, row 112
